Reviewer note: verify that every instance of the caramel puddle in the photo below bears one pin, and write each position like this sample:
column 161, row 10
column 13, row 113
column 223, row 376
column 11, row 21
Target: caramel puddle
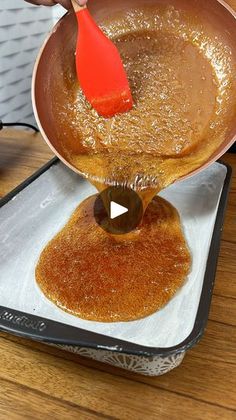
column 106, row 278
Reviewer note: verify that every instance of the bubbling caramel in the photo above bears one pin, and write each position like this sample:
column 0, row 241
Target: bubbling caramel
column 101, row 277
column 183, row 80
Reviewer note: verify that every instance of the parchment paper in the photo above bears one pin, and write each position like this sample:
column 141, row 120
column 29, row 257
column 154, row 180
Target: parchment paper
column 36, row 214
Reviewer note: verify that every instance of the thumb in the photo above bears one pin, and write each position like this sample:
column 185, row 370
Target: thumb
column 67, row 3
column 82, row 2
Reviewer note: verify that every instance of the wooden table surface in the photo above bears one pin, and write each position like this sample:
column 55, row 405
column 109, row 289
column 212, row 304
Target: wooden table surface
column 37, row 381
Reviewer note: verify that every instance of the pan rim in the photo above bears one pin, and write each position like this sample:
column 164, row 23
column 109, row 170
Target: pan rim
column 210, row 160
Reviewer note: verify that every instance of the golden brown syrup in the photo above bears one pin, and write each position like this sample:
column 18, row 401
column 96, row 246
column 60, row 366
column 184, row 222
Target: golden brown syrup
column 182, row 82
column 100, row 277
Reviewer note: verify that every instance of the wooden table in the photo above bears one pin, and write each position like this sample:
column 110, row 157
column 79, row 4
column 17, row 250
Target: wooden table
column 39, row 382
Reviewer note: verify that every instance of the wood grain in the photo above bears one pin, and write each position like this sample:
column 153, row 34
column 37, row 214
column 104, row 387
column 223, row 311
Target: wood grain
column 110, row 395
column 35, row 405
column 21, row 154
column 38, row 381
column 200, row 375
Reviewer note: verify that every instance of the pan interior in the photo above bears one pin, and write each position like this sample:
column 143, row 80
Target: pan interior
column 180, row 58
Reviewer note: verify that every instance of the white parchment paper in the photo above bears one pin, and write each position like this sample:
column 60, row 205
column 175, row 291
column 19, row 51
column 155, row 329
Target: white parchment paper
column 36, row 214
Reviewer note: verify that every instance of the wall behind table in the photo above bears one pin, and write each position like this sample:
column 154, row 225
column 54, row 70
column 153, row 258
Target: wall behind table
column 23, row 28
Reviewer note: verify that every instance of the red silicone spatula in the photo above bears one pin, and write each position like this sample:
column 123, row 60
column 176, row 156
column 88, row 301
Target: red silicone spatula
column 100, row 70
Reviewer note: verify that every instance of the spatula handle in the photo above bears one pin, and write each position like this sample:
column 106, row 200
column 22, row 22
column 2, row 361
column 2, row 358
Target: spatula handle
column 77, row 7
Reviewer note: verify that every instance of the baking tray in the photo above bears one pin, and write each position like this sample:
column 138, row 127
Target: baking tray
column 31, row 215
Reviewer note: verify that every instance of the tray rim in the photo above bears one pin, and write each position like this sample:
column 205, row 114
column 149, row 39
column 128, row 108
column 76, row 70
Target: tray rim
column 50, row 331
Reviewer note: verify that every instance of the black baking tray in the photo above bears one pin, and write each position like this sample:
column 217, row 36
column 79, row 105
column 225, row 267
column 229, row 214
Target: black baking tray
column 49, row 331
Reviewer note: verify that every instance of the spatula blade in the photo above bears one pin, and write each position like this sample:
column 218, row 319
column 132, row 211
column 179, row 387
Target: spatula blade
column 100, row 69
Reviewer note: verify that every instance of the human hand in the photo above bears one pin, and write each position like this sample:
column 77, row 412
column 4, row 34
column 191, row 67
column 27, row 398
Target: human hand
column 65, row 3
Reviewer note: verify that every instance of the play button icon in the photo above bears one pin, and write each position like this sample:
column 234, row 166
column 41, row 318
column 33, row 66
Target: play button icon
column 118, row 210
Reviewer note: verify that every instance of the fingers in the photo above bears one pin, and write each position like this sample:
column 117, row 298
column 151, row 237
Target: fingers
column 82, row 2
column 42, row 2
column 64, row 3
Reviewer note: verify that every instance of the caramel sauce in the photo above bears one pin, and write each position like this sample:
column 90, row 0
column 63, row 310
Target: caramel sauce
column 182, row 82
column 105, row 278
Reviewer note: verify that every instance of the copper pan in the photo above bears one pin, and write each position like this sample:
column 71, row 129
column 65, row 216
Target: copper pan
column 57, row 54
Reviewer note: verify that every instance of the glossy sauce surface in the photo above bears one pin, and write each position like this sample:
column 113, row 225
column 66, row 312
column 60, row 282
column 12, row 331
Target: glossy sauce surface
column 183, row 82
column 106, row 278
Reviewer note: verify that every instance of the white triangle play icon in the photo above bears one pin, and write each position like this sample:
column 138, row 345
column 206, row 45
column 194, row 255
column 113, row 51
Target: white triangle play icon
column 117, row 210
